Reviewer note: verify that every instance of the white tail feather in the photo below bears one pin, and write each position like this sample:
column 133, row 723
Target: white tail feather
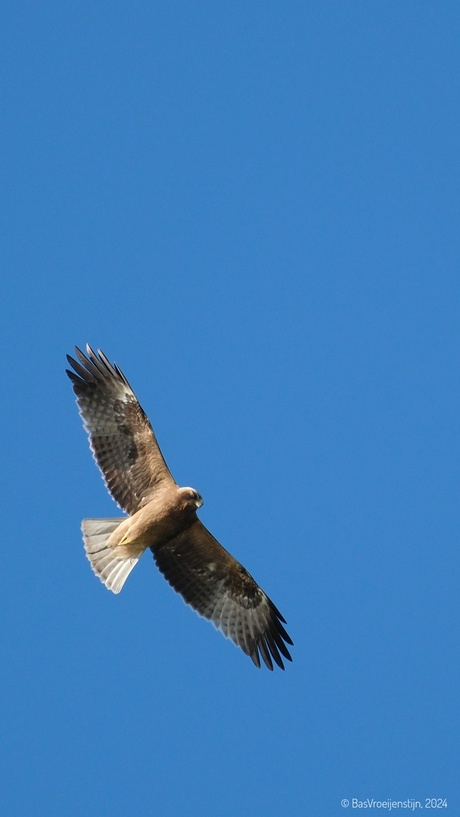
column 112, row 569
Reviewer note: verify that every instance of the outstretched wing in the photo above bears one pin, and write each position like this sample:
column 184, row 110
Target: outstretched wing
column 220, row 589
column 120, row 435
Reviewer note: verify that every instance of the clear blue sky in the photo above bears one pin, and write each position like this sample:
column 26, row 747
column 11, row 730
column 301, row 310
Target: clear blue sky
column 254, row 209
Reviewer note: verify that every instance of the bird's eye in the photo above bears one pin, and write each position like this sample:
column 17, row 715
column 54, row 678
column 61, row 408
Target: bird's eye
column 194, row 496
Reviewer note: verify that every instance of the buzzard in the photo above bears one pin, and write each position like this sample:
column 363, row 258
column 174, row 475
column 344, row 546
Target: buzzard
column 162, row 516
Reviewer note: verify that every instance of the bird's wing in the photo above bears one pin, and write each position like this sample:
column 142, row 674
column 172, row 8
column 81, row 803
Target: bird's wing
column 120, row 435
column 220, row 589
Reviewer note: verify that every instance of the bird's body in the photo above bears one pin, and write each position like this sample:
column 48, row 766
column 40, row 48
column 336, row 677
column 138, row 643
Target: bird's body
column 162, row 517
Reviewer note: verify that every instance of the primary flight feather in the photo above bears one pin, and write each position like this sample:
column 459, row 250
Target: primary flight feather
column 162, row 517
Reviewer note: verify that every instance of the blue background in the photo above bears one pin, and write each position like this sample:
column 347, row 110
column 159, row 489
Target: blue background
column 254, row 209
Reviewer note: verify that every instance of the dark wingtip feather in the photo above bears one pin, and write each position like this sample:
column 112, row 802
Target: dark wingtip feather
column 262, row 647
column 274, row 650
column 72, row 375
column 254, row 656
column 282, row 632
column 94, row 365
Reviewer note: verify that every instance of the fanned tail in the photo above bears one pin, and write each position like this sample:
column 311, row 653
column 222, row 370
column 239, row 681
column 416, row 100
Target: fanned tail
column 112, row 569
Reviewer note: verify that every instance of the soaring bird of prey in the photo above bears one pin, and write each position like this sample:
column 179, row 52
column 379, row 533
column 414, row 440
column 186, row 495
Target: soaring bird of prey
column 162, row 516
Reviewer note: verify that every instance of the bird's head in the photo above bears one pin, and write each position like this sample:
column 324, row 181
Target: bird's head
column 191, row 498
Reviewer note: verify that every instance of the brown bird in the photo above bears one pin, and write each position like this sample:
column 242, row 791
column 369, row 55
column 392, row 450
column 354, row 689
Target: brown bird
column 162, row 517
